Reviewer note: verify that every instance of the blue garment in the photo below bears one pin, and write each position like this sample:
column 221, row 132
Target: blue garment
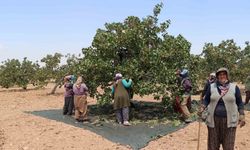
column 220, row 110
column 184, row 73
column 124, row 83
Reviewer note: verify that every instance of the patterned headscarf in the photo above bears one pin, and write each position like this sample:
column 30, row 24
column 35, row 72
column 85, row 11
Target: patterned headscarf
column 224, row 88
column 78, row 81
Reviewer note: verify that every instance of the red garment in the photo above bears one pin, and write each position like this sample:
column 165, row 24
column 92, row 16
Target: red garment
column 177, row 104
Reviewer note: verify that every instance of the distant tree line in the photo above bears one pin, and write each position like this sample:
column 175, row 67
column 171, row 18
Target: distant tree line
column 140, row 49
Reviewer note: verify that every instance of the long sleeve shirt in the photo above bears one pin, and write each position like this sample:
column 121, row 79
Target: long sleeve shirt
column 82, row 90
column 68, row 90
column 220, row 109
column 124, row 83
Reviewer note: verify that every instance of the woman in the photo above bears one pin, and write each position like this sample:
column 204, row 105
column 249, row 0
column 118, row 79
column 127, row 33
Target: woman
column 225, row 110
column 80, row 100
column 185, row 103
column 211, row 79
column 121, row 99
column 247, row 89
column 68, row 97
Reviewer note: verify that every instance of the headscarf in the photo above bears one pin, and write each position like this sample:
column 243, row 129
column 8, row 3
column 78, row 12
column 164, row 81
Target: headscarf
column 78, row 81
column 184, row 73
column 224, row 87
column 212, row 77
column 222, row 70
column 118, row 76
column 70, row 78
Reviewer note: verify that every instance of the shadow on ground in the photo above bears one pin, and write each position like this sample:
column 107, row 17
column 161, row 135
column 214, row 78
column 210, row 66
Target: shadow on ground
column 150, row 121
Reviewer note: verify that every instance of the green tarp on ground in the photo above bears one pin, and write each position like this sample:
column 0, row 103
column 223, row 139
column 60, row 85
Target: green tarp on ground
column 136, row 136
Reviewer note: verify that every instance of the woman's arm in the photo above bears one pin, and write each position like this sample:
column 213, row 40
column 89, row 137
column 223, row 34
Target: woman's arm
column 85, row 87
column 126, row 84
column 206, row 100
column 239, row 101
column 205, row 89
column 113, row 90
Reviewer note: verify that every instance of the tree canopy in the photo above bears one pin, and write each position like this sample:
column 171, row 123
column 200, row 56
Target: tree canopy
column 140, row 49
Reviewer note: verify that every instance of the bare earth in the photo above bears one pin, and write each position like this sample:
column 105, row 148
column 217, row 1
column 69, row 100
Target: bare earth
column 22, row 131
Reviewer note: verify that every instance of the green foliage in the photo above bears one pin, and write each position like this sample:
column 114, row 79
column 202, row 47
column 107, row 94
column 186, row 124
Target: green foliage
column 52, row 65
column 13, row 72
column 40, row 77
column 226, row 54
column 25, row 73
column 9, row 73
column 140, row 49
column 243, row 69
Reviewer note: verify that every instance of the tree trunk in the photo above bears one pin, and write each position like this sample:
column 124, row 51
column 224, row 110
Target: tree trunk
column 55, row 87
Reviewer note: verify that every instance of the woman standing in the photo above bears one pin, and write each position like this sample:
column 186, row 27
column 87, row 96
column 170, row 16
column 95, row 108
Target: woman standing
column 121, row 99
column 68, row 97
column 80, row 100
column 211, row 79
column 247, row 90
column 225, row 110
column 185, row 103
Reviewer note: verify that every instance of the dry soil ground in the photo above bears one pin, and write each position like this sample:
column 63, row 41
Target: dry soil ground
column 22, row 131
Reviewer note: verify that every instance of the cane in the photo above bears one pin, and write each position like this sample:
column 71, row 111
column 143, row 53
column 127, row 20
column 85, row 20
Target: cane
column 199, row 126
column 199, row 133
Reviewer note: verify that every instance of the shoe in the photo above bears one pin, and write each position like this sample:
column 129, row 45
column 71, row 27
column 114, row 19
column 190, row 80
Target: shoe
column 187, row 120
column 78, row 120
column 86, row 120
column 126, row 123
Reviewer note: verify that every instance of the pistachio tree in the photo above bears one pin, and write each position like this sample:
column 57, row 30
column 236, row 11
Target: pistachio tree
column 140, row 49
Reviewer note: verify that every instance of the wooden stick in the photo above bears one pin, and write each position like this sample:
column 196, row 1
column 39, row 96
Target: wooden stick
column 199, row 134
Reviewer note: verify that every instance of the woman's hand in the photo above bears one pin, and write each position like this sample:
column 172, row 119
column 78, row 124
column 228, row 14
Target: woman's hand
column 200, row 111
column 242, row 121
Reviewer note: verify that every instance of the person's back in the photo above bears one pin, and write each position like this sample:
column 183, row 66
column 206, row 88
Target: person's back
column 187, row 85
column 68, row 89
column 121, row 99
column 120, row 90
column 247, row 89
column 121, row 96
column 186, row 95
column 68, row 98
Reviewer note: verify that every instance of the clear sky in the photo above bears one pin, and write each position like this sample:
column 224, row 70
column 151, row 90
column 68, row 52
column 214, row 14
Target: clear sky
column 34, row 28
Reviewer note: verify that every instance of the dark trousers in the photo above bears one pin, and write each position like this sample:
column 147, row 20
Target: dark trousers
column 247, row 97
column 221, row 134
column 122, row 114
column 68, row 105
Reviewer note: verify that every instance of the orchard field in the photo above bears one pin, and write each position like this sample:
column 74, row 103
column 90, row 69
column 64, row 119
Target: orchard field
column 23, row 131
column 139, row 48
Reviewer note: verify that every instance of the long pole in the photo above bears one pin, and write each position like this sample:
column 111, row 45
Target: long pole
column 199, row 126
column 199, row 134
